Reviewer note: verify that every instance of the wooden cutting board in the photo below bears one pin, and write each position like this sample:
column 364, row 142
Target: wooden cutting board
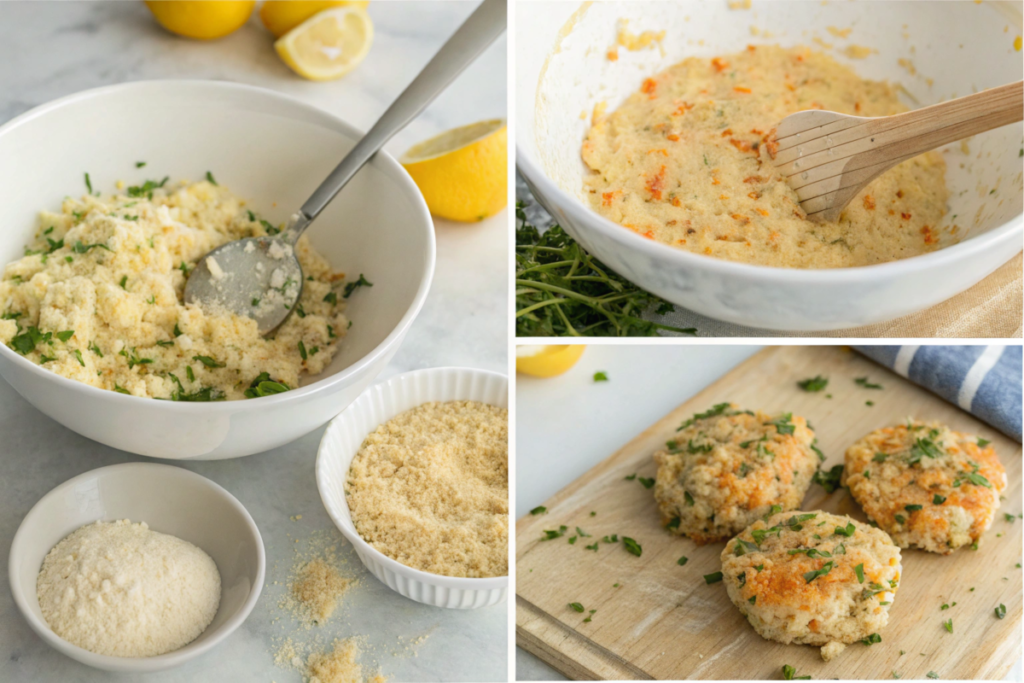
column 656, row 619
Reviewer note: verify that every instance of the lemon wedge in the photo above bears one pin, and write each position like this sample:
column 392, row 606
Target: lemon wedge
column 328, row 45
column 281, row 16
column 201, row 19
column 463, row 173
column 547, row 361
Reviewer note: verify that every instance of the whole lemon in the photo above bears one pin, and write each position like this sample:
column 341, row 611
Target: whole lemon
column 201, row 19
column 281, row 16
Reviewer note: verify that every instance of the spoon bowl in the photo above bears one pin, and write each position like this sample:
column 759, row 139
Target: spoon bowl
column 258, row 277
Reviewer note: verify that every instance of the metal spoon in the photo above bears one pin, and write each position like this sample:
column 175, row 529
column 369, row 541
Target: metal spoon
column 260, row 277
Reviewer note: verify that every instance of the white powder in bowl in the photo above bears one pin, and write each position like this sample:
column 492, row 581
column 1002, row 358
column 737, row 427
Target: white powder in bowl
column 120, row 589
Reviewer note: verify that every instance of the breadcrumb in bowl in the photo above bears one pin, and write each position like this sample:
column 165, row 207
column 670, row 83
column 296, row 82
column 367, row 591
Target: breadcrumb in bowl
column 342, row 441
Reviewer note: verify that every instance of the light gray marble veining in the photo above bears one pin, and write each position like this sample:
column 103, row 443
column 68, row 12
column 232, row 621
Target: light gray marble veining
column 49, row 50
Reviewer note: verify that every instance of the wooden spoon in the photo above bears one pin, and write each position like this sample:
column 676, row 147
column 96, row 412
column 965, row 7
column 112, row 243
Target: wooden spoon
column 828, row 157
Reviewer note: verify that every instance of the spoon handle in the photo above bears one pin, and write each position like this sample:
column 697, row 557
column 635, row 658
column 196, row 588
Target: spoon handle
column 478, row 31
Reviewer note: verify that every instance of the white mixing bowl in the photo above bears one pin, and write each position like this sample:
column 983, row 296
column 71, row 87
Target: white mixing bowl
column 170, row 500
column 270, row 150
column 346, row 434
column 561, row 73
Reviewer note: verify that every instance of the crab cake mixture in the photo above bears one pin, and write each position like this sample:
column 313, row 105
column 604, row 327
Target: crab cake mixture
column 429, row 489
column 98, row 298
column 684, row 161
column 928, row 486
column 728, row 467
column 812, row 578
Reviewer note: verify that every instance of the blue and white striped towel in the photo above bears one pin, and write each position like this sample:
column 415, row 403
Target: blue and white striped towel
column 983, row 380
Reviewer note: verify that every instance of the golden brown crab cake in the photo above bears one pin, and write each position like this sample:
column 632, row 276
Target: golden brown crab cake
column 928, row 486
column 727, row 467
column 813, row 578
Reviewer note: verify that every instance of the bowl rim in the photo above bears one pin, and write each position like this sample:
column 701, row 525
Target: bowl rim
column 389, row 165
column 136, row 664
column 361, row 546
column 946, row 257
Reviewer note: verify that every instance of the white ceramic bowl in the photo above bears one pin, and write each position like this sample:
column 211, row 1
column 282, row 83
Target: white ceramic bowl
column 270, row 150
column 561, row 73
column 170, row 500
column 340, row 444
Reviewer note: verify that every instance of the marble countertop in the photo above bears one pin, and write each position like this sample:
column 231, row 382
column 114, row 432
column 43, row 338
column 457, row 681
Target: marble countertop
column 645, row 383
column 48, row 50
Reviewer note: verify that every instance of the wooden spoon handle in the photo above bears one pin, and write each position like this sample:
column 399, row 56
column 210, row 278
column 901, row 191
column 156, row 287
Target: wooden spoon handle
column 921, row 130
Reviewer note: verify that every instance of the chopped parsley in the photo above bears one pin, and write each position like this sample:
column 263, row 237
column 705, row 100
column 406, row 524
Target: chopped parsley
column 863, row 382
column 789, row 674
column 27, row 341
column 1001, row 611
column 632, row 546
column 351, row 287
column 302, row 350
column 146, row 188
column 550, row 534
column 825, row 569
column 816, row 383
column 208, row 362
column 872, row 639
column 140, row 164
column 133, row 358
column 262, row 385
column 577, row 606
column 648, row 483
column 714, row 411
column 829, row 480
column 80, row 248
column 948, row 625
column 539, row 510
column 783, row 424
column 78, row 357
column 913, row 508
column 684, row 559
column 938, row 500
column 849, row 530
column 65, row 335
column 983, row 442
column 209, row 177
column 859, row 569
column 712, row 578
column 601, row 377
column 331, row 298
column 88, row 183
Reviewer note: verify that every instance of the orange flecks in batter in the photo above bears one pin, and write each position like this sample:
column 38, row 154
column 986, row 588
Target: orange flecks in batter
column 675, row 202
column 607, row 197
column 753, row 179
column 613, row 54
column 727, row 132
column 723, row 196
column 856, row 107
column 741, row 145
column 904, row 215
column 656, row 184
column 662, row 152
column 763, row 212
column 719, row 64
column 649, row 86
column 750, row 48
column 753, row 195
column 929, row 235
column 649, row 234
column 673, row 137
column 869, row 202
column 682, row 108
column 742, row 89
column 899, row 193
column 741, row 218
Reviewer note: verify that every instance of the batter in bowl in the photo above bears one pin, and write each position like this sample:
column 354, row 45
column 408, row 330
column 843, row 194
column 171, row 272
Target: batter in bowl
column 685, row 162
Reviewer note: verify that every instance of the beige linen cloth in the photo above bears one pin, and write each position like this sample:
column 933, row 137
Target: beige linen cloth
column 993, row 308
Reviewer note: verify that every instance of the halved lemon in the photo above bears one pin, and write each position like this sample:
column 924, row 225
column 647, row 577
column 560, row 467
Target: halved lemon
column 201, row 19
column 328, row 45
column 547, row 361
column 463, row 172
column 281, row 16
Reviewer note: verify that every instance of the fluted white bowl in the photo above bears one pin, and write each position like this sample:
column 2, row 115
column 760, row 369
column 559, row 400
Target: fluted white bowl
column 561, row 74
column 340, row 443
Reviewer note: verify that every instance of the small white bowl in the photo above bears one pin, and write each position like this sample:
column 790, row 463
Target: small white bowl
column 271, row 151
column 170, row 500
column 341, row 442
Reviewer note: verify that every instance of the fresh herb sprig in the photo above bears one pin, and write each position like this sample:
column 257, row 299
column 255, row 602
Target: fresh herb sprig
column 562, row 291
